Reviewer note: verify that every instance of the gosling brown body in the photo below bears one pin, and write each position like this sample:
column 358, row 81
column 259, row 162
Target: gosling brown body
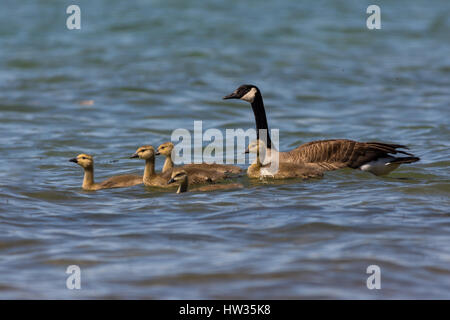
column 166, row 149
column 87, row 163
column 265, row 158
column 181, row 176
column 153, row 179
column 285, row 171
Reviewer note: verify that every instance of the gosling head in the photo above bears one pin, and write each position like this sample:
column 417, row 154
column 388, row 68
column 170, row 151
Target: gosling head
column 253, row 146
column 246, row 92
column 177, row 176
column 165, row 149
column 84, row 160
column 144, row 153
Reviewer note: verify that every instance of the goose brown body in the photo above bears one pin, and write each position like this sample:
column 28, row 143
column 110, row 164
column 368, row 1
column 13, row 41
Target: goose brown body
column 87, row 163
column 342, row 153
column 374, row 157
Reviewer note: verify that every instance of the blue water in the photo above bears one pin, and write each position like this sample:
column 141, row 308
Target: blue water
column 150, row 67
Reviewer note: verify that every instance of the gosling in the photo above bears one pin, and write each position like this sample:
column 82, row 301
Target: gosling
column 285, row 170
column 153, row 179
column 166, row 149
column 181, row 176
column 87, row 163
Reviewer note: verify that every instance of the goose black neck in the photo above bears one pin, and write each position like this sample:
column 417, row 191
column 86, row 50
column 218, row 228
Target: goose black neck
column 260, row 117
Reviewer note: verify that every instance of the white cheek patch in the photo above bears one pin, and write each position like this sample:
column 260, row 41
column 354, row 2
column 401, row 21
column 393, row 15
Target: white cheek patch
column 249, row 96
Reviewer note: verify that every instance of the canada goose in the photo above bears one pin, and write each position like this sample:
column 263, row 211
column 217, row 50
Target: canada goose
column 151, row 178
column 374, row 157
column 181, row 176
column 284, row 170
column 165, row 149
column 87, row 163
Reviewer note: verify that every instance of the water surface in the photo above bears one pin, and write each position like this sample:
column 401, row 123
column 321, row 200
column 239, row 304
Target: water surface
column 154, row 66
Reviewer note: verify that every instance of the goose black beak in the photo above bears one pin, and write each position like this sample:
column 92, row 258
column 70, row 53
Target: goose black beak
column 232, row 95
column 75, row 160
column 134, row 156
column 157, row 153
column 246, row 151
column 171, row 181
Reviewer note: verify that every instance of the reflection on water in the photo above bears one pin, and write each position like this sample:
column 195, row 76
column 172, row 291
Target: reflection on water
column 151, row 67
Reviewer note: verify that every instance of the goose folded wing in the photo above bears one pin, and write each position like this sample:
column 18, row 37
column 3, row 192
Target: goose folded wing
column 341, row 153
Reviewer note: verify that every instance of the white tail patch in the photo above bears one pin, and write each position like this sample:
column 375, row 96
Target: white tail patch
column 380, row 166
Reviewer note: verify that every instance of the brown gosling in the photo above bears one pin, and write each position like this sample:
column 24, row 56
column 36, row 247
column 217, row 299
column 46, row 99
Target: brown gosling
column 166, row 149
column 286, row 170
column 181, row 176
column 87, row 163
column 151, row 178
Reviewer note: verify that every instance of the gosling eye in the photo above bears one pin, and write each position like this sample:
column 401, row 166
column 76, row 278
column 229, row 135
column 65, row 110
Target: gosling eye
column 83, row 157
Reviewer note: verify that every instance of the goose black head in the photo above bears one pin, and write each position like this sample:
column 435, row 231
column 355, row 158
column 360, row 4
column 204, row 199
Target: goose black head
column 246, row 92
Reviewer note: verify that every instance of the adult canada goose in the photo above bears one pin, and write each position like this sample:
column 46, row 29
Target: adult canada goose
column 153, row 179
column 374, row 157
column 165, row 149
column 87, row 163
column 182, row 177
column 261, row 168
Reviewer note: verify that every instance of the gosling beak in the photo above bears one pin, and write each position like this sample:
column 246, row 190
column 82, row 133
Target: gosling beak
column 246, row 151
column 171, row 181
column 135, row 155
column 232, row 95
column 157, row 153
column 74, row 160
